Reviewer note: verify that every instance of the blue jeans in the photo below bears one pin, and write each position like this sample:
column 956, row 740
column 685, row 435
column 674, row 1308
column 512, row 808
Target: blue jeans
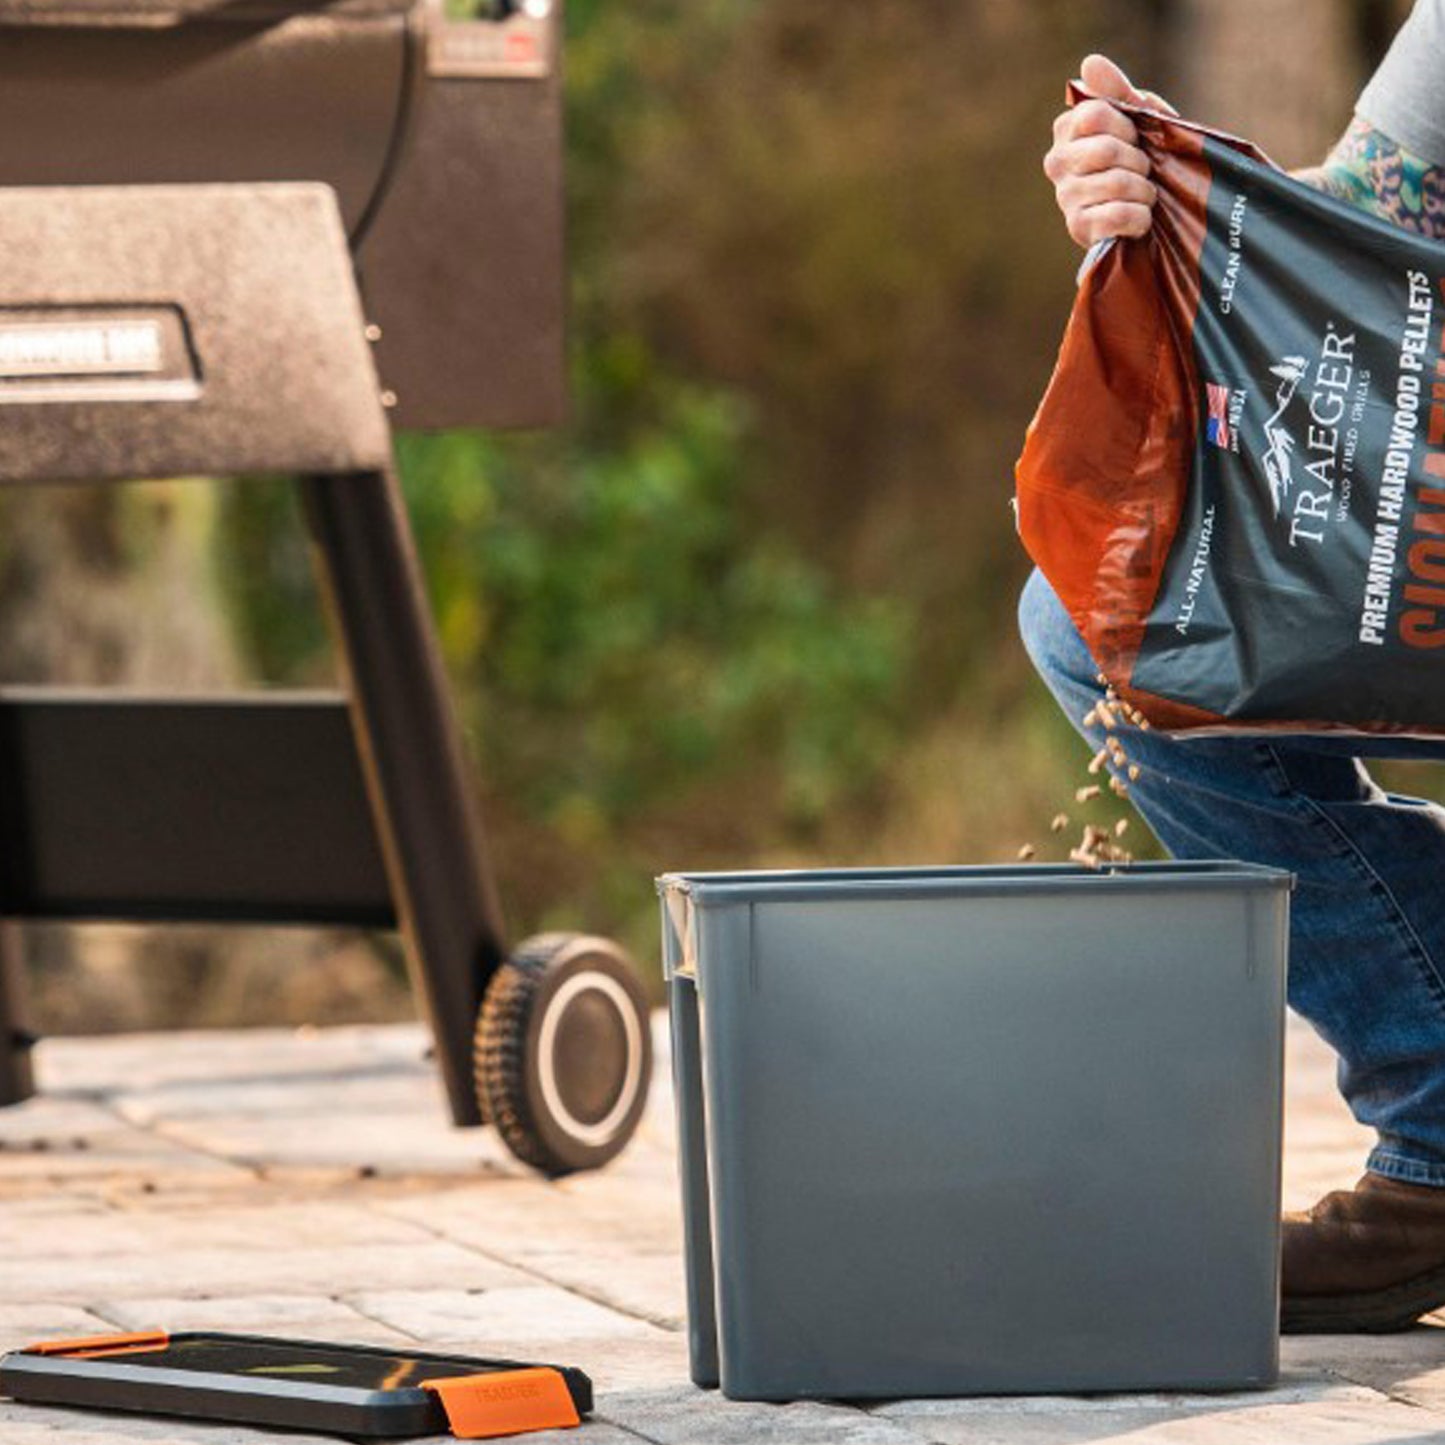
column 1367, row 939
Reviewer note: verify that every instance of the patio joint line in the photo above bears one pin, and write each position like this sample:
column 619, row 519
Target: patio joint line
column 248, row 1166
column 600, row 1416
column 366, row 1314
column 1389, row 1393
column 591, row 1296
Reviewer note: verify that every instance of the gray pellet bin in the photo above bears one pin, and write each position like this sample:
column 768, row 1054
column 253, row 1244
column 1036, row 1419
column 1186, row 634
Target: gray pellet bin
column 979, row 1130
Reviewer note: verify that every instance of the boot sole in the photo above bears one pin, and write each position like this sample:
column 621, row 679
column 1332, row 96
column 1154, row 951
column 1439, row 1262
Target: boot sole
column 1381, row 1312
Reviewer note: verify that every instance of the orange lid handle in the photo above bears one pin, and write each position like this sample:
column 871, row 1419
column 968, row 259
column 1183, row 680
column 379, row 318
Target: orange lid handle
column 97, row 1347
column 509, row 1402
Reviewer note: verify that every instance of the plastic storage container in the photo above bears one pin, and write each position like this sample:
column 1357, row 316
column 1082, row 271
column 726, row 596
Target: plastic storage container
column 979, row 1130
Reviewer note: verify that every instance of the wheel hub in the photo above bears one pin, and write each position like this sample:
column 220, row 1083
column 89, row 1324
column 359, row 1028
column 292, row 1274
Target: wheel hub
column 590, row 1056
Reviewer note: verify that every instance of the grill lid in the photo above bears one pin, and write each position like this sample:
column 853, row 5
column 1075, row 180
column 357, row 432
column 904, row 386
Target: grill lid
column 166, row 14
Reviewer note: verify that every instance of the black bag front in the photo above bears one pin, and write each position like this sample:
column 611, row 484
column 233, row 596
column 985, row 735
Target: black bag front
column 1236, row 481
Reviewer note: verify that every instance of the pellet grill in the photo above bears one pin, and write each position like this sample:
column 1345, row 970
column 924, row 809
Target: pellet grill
column 249, row 236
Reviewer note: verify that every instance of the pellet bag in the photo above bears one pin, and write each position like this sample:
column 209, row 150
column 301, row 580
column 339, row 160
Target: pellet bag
column 1236, row 479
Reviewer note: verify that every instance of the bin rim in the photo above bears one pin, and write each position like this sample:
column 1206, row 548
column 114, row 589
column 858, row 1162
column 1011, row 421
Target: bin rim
column 796, row 885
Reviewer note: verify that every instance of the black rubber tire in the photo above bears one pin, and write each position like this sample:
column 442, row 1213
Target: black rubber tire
column 563, row 1052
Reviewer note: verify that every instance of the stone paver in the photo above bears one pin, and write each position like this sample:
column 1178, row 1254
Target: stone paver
column 672, row 1417
column 98, row 1234
column 307, row 1184
column 536, row 1311
column 1409, row 1367
column 1370, row 1421
column 22, row 1324
column 314, row 1269
column 22, row 1425
column 649, row 1286
column 295, row 1316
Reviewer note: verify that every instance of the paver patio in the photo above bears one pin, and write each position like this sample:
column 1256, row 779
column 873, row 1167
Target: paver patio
column 308, row 1184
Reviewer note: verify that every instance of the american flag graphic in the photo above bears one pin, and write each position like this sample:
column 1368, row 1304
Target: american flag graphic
column 1216, row 429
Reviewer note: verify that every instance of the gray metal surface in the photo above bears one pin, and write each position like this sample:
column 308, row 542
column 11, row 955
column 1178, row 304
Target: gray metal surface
column 696, row 1194
column 464, row 266
column 248, row 808
column 167, row 14
column 981, row 1130
column 272, row 371
column 85, row 101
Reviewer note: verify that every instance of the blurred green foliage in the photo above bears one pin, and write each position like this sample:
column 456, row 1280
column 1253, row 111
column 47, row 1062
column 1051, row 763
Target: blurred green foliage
column 619, row 632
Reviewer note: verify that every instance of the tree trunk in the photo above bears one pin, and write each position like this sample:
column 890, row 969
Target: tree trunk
column 1282, row 74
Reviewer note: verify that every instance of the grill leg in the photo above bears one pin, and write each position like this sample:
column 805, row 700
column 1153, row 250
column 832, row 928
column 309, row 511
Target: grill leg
column 17, row 1082
column 411, row 748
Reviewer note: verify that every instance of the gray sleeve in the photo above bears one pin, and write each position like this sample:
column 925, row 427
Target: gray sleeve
column 1406, row 96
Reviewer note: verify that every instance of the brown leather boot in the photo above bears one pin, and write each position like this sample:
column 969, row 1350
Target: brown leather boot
column 1366, row 1260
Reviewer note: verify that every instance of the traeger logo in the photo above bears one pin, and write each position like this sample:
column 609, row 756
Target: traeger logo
column 1305, row 501
column 60, row 349
column 1278, row 466
column 96, row 354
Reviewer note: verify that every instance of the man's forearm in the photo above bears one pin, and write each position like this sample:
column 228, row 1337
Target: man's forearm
column 1369, row 170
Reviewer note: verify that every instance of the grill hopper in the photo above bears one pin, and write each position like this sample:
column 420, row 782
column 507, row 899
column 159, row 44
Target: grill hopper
column 441, row 137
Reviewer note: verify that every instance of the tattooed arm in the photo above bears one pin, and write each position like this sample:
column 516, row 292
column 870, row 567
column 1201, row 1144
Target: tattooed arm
column 1371, row 171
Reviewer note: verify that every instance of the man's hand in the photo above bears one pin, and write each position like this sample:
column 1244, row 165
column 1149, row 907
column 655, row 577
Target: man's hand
column 1100, row 175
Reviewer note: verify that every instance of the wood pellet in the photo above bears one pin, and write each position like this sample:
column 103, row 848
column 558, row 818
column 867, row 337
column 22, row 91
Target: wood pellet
column 1098, row 843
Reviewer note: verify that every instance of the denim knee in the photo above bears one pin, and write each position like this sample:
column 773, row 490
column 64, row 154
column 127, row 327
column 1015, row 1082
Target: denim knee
column 1052, row 641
